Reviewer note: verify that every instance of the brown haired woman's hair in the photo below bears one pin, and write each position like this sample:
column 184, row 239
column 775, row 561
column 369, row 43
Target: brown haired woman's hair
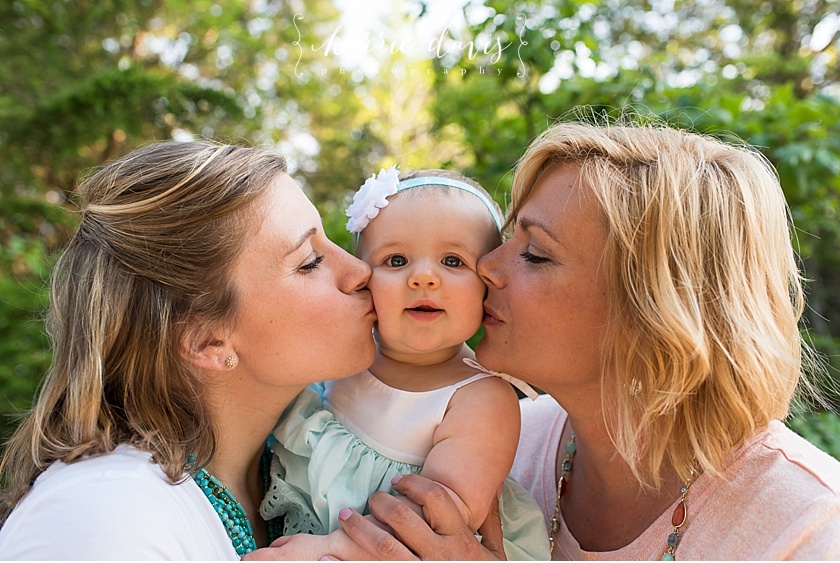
column 704, row 348
column 150, row 261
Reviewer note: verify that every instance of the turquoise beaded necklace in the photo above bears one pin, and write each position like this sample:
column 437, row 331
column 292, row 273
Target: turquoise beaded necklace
column 230, row 511
column 678, row 519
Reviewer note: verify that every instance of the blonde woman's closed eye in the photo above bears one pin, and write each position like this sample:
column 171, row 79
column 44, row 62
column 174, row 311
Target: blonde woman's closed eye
column 533, row 258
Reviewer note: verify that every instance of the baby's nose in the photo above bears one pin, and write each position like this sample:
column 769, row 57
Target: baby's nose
column 424, row 277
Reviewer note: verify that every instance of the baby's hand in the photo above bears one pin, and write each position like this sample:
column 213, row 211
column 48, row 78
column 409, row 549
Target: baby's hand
column 305, row 547
column 299, row 547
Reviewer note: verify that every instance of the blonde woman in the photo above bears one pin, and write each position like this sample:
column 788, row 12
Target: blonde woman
column 651, row 289
column 197, row 298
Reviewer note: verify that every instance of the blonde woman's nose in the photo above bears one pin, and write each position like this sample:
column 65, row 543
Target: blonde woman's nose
column 490, row 267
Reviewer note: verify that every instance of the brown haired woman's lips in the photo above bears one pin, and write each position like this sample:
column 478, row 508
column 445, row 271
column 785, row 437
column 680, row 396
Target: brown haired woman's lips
column 371, row 305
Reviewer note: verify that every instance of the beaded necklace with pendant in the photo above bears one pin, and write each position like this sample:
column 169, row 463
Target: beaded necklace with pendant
column 678, row 519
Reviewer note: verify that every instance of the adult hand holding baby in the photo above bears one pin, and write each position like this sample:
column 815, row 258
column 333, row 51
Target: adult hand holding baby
column 445, row 537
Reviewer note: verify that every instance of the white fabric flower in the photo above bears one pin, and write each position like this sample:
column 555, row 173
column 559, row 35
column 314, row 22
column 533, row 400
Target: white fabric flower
column 371, row 197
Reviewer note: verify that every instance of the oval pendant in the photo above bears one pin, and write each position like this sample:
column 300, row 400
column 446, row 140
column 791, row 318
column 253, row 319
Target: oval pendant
column 680, row 514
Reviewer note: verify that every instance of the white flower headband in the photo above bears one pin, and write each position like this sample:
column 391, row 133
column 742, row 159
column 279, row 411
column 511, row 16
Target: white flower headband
column 374, row 193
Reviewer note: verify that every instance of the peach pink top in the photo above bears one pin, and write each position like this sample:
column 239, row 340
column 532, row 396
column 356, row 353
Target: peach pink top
column 779, row 499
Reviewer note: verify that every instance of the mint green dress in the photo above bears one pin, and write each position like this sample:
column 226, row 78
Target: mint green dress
column 342, row 440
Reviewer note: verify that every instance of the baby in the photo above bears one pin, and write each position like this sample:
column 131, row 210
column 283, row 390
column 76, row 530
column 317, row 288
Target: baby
column 425, row 405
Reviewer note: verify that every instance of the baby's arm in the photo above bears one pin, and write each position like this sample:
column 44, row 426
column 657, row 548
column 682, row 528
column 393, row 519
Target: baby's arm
column 474, row 446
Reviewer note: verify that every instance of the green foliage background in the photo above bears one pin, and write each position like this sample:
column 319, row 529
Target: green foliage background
column 83, row 82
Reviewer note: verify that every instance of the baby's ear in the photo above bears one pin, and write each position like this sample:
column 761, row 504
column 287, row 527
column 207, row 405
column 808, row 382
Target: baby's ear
column 208, row 349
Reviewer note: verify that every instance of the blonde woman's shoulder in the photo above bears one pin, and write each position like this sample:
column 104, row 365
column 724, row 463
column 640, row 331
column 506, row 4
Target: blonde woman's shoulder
column 779, row 498
column 822, row 468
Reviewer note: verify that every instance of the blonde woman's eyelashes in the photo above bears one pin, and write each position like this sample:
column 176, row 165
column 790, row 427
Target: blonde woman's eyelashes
column 533, row 258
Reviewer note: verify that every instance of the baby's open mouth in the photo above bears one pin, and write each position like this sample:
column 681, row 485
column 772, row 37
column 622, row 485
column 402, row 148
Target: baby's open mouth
column 425, row 309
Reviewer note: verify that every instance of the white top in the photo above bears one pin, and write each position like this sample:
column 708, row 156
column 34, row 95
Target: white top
column 115, row 506
column 398, row 424
column 779, row 499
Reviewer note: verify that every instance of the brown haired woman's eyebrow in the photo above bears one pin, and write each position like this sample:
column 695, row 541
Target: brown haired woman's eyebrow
column 301, row 240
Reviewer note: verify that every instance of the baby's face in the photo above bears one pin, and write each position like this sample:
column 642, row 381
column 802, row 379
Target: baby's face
column 423, row 252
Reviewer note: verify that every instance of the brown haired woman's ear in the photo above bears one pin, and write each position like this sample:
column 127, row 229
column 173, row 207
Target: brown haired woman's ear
column 208, row 350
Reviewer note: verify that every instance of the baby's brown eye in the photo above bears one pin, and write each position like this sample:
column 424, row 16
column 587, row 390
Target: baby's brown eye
column 452, row 261
column 397, row 261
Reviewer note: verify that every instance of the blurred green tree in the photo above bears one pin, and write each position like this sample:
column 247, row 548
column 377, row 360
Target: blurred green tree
column 83, row 82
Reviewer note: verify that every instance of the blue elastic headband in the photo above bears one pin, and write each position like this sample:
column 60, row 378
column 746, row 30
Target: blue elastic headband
column 438, row 181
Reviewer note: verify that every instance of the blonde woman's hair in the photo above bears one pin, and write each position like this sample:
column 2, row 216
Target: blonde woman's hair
column 705, row 293
column 151, row 260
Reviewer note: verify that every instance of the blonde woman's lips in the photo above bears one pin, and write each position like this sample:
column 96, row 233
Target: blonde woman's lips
column 491, row 318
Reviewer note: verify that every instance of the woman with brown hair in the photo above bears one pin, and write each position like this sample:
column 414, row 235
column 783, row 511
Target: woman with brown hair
column 651, row 289
column 197, row 298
